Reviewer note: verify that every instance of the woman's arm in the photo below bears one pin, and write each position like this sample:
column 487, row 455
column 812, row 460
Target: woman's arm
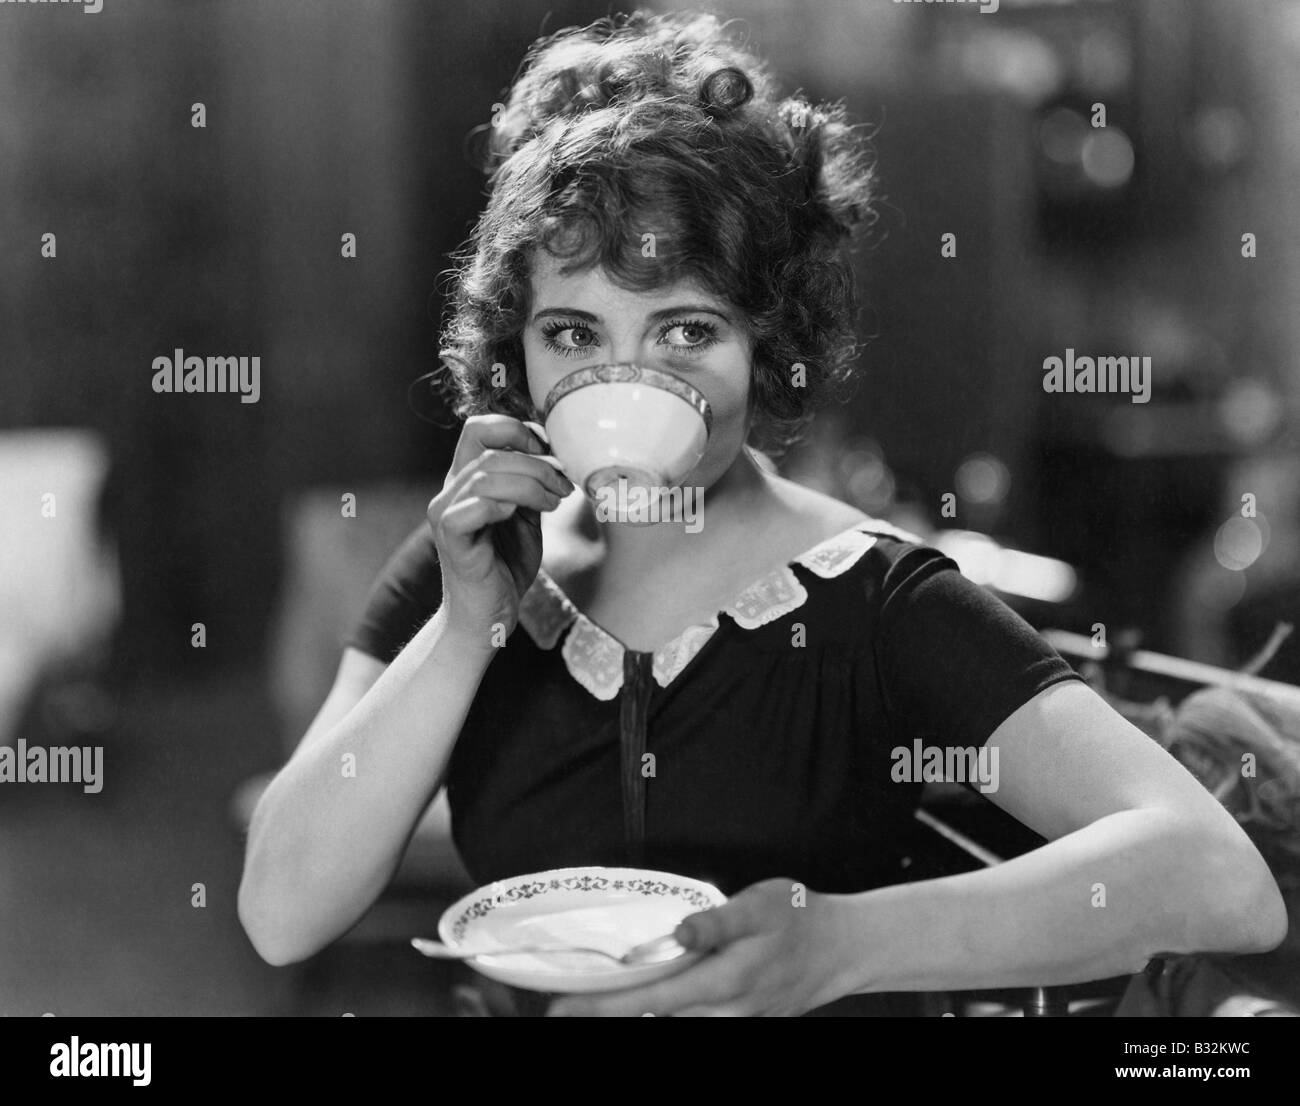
column 1142, row 860
column 1133, row 831
column 330, row 830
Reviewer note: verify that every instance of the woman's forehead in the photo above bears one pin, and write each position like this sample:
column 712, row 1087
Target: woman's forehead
column 592, row 289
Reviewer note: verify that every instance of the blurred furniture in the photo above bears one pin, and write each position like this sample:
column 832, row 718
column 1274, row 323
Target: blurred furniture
column 1142, row 676
column 335, row 541
column 60, row 595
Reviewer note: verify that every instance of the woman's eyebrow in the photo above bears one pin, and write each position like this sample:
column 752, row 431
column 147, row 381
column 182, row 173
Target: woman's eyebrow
column 568, row 313
column 689, row 309
column 655, row 316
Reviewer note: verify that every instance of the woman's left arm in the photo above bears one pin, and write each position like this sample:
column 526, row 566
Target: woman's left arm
column 1141, row 861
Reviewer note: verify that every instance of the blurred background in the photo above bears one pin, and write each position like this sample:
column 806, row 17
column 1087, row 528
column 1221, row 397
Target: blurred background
column 177, row 571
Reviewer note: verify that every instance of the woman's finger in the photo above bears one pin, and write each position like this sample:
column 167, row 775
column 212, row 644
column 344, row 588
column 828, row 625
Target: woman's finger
column 466, row 517
column 711, row 929
column 523, row 490
column 493, row 432
column 522, row 464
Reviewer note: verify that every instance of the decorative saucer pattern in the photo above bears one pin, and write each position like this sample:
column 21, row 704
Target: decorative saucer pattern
column 491, row 900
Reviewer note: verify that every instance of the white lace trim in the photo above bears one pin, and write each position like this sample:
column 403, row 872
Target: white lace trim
column 594, row 658
column 678, row 653
column 767, row 599
column 840, row 553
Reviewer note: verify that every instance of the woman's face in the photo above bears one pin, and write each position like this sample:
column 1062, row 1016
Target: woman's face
column 585, row 319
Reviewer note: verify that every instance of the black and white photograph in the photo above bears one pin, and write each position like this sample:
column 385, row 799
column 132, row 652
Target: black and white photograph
column 562, row 509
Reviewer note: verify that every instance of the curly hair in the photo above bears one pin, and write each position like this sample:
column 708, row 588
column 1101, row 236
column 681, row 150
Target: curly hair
column 662, row 124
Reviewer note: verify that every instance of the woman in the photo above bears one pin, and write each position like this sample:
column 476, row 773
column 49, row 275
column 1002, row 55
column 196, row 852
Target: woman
column 654, row 200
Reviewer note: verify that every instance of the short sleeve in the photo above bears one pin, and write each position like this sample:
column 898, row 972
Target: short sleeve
column 954, row 661
column 405, row 595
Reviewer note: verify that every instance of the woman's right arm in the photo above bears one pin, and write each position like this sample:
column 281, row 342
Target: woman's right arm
column 330, row 830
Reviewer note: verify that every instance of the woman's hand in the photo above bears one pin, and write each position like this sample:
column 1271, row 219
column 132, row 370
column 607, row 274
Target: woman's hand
column 774, row 949
column 487, row 523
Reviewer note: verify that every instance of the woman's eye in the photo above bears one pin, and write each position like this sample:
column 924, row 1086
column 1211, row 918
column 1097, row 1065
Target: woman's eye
column 689, row 335
column 569, row 339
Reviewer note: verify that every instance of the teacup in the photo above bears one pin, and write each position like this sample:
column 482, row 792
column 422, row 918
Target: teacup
column 626, row 423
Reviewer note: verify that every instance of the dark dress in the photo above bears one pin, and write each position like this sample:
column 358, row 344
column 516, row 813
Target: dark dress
column 757, row 745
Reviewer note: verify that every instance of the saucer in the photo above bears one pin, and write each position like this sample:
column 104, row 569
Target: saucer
column 611, row 909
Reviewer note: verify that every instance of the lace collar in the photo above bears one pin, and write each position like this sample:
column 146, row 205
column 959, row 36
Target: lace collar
column 595, row 658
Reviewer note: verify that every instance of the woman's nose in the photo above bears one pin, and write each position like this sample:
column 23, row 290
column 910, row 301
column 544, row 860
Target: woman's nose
column 637, row 349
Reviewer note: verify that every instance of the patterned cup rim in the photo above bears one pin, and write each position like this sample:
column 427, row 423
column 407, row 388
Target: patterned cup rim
column 627, row 372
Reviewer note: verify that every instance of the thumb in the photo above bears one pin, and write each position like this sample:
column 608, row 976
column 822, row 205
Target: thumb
column 711, row 929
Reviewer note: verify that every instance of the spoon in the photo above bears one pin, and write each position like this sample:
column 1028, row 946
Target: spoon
column 655, row 951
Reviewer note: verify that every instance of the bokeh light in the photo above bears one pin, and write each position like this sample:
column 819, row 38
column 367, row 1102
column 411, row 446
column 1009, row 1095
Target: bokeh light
column 982, row 478
column 1238, row 543
column 1250, row 411
column 1107, row 157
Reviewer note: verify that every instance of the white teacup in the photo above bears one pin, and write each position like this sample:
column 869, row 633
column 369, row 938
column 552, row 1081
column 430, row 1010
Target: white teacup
column 626, row 422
